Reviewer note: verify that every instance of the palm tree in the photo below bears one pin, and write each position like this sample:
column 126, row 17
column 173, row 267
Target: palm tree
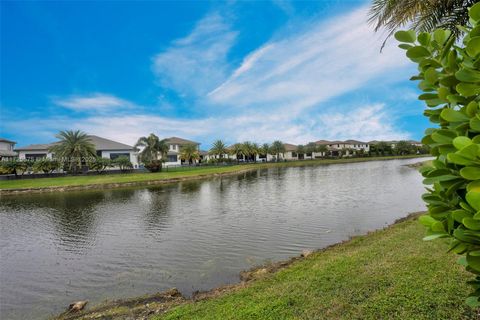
column 323, row 149
column 236, row 150
column 218, row 148
column 310, row 148
column 265, row 150
column 189, row 152
column 301, row 150
column 75, row 147
column 421, row 15
column 249, row 150
column 277, row 148
column 152, row 148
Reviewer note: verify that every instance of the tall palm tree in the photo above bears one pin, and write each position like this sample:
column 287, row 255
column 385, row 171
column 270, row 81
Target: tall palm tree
column 277, row 148
column 219, row 148
column 236, row 150
column 265, row 150
column 153, row 147
column 189, row 152
column 310, row 148
column 74, row 147
column 421, row 15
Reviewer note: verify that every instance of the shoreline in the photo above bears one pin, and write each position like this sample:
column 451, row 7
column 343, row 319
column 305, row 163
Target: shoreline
column 187, row 175
column 163, row 304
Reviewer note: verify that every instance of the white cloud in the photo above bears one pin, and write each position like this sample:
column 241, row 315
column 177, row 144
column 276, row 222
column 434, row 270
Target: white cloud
column 93, row 102
column 319, row 62
column 197, row 63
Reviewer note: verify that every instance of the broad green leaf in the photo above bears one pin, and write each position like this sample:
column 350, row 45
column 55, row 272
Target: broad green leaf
column 405, row 36
column 473, row 199
column 469, row 152
column 472, row 108
column 462, row 261
column 473, row 46
column 466, row 75
column 424, row 38
column 443, row 92
column 460, row 214
column 457, row 159
column 472, row 302
column 473, row 262
column 431, row 75
column 427, row 96
column 418, row 52
column 468, row 89
column 475, row 124
column 461, row 142
column 474, row 186
column 441, row 36
column 470, row 173
column 434, row 236
column 471, row 223
column 426, row 220
column 474, row 12
column 453, row 115
column 444, row 136
column 405, row 46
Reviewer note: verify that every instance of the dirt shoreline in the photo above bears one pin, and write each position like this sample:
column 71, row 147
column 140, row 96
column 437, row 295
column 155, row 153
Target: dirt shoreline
column 114, row 185
column 158, row 303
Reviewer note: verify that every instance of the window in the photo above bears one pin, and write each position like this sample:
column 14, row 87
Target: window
column 294, row 154
column 35, row 156
column 99, row 153
column 172, row 158
column 114, row 156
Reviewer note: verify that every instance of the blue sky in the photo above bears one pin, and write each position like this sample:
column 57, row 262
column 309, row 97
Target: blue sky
column 236, row 70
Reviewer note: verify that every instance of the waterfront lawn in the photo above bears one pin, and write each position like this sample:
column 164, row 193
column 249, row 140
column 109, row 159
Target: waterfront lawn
column 184, row 172
column 390, row 274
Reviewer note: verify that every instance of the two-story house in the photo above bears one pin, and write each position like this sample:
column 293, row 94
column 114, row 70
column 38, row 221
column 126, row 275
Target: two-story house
column 6, row 149
column 175, row 145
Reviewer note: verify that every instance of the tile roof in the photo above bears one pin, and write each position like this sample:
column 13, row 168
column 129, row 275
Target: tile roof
column 99, row 142
column 180, row 141
column 6, row 140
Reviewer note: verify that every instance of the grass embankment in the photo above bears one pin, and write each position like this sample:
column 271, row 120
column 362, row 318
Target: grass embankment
column 387, row 274
column 115, row 180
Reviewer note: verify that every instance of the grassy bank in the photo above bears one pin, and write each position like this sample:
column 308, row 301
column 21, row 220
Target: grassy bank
column 115, row 180
column 388, row 274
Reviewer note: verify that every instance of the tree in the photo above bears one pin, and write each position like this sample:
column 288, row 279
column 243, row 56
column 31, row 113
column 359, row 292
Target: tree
column 404, row 147
column 323, row 149
column 249, row 150
column 99, row 164
column 153, row 148
column 74, row 147
column 265, row 150
column 382, row 147
column 310, row 149
column 421, row 15
column 449, row 78
column 123, row 163
column 46, row 166
column 16, row 166
column 189, row 152
column 301, row 150
column 277, row 148
column 236, row 150
column 219, row 148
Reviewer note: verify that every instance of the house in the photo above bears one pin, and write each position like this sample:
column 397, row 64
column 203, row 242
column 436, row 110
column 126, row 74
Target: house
column 105, row 148
column 175, row 145
column 290, row 152
column 344, row 148
column 6, row 149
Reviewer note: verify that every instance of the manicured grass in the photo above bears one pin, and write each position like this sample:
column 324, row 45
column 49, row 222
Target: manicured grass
column 389, row 274
column 171, row 174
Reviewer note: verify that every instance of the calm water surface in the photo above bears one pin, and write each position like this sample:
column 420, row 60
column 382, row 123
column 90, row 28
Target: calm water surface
column 58, row 248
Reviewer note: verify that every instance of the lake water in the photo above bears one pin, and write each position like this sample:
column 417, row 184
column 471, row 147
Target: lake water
column 63, row 247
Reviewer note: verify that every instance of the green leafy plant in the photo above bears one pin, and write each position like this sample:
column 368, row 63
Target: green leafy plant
column 153, row 165
column 99, row 164
column 46, row 166
column 123, row 163
column 449, row 76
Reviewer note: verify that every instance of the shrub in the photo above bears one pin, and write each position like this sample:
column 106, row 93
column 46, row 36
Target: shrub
column 45, row 165
column 123, row 163
column 99, row 164
column 449, row 75
column 154, row 165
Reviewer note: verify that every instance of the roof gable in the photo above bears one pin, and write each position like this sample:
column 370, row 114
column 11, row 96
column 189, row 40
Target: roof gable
column 180, row 141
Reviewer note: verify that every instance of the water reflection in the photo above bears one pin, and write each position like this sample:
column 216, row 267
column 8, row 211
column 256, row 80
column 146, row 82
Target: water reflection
column 194, row 235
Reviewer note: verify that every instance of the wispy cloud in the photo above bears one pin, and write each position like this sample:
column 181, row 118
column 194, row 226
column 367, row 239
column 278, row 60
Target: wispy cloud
column 310, row 66
column 198, row 62
column 93, row 102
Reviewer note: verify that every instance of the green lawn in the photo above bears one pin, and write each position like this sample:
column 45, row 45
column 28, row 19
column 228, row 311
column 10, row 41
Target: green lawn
column 390, row 274
column 171, row 174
